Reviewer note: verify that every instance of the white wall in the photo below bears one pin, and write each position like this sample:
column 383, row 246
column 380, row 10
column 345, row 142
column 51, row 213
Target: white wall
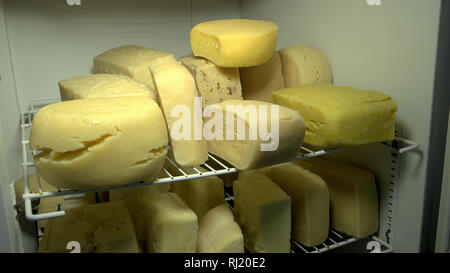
column 390, row 48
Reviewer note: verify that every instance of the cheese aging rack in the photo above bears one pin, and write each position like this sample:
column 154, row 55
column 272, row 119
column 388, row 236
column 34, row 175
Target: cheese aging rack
column 215, row 166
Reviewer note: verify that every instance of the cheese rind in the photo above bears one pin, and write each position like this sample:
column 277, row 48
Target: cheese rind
column 96, row 143
column 310, row 202
column 214, row 84
column 340, row 115
column 103, row 86
column 166, row 224
column 219, row 233
column 304, row 65
column 176, row 88
column 247, row 153
column 353, row 196
column 258, row 82
column 235, row 42
column 263, row 211
column 128, row 60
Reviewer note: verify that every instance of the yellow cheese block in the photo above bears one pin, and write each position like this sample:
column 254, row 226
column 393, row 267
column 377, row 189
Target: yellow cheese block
column 340, row 115
column 214, row 84
column 219, row 233
column 235, row 42
column 97, row 143
column 128, row 60
column 310, row 202
column 353, row 195
column 263, row 211
column 304, row 65
column 247, row 153
column 258, row 82
column 200, row 194
column 103, row 86
column 176, row 87
column 166, row 224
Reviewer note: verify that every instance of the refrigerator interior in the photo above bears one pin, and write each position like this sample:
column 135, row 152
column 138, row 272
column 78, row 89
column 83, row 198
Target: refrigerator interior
column 390, row 47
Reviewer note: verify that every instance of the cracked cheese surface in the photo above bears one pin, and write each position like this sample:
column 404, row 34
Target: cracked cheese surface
column 304, row 65
column 103, row 86
column 97, row 143
column 214, row 84
column 235, row 42
column 246, row 154
column 219, row 233
column 263, row 212
column 340, row 115
column 353, row 196
column 128, row 60
column 310, row 202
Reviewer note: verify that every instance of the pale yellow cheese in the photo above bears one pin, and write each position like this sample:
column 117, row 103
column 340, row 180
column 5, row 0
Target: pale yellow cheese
column 310, row 202
column 235, row 42
column 128, row 60
column 263, row 211
column 353, row 196
column 97, row 143
column 304, row 65
column 219, row 233
column 176, row 88
column 166, row 224
column 103, row 86
column 214, row 84
column 258, row 82
column 247, row 153
column 200, row 194
column 341, row 116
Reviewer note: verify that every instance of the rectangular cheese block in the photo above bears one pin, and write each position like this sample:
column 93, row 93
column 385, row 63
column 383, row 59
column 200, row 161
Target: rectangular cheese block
column 353, row 196
column 103, row 86
column 176, row 89
column 235, row 42
column 304, row 65
column 214, row 84
column 310, row 202
column 128, row 60
column 263, row 211
column 243, row 144
column 340, row 115
column 200, row 194
column 219, row 233
column 258, row 82
column 166, row 224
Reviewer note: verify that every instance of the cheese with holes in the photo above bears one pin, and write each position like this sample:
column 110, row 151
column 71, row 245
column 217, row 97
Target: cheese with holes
column 103, row 86
column 176, row 88
column 200, row 194
column 166, row 224
column 310, row 202
column 340, row 115
column 219, row 233
column 128, row 60
column 258, row 82
column 304, row 65
column 214, row 84
column 263, row 211
column 98, row 143
column 235, row 42
column 353, row 196
column 242, row 138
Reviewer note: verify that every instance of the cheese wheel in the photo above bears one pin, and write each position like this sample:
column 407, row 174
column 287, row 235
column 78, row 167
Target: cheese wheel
column 98, row 143
column 258, row 82
column 304, row 65
column 128, row 60
column 103, row 86
column 235, row 42
column 214, row 84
